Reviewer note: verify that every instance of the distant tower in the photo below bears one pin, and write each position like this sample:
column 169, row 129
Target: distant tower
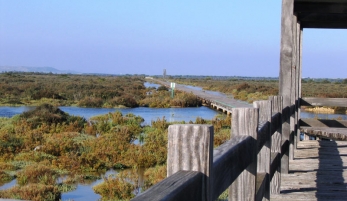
column 164, row 74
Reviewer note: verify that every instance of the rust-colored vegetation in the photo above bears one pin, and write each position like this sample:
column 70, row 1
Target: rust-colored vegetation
column 87, row 91
column 38, row 156
column 42, row 146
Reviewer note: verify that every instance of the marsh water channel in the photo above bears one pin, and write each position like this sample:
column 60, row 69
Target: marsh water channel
column 84, row 191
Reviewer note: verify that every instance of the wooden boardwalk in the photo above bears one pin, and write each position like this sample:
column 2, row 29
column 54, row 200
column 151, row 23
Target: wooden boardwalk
column 318, row 172
column 214, row 97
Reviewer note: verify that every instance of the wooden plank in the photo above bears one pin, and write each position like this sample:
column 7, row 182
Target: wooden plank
column 183, row 185
column 264, row 133
column 294, row 89
column 324, row 132
column 286, row 54
column 275, row 164
column 190, row 147
column 332, row 102
column 318, row 172
column 276, row 144
column 230, row 160
column 323, row 123
column 276, row 123
column 261, row 189
column 245, row 122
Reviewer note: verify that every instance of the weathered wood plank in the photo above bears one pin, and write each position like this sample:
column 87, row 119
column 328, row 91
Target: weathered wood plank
column 276, row 123
column 261, row 189
column 286, row 54
column 264, row 144
column 229, row 161
column 245, row 122
column 190, row 147
column 275, row 164
column 298, row 79
column 294, row 89
column 328, row 133
column 338, row 102
column 323, row 123
column 318, row 172
column 276, row 144
column 183, row 185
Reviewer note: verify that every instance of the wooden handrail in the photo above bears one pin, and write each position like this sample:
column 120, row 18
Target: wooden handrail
column 247, row 163
column 332, row 102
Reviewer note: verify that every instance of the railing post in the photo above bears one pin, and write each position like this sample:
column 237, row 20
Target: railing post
column 264, row 156
column 276, row 144
column 190, row 147
column 285, row 76
column 245, row 122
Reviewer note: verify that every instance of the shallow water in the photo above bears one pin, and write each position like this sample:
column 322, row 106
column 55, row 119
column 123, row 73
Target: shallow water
column 85, row 191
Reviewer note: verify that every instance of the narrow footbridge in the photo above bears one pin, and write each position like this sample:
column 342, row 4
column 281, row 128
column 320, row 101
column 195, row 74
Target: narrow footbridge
column 214, row 100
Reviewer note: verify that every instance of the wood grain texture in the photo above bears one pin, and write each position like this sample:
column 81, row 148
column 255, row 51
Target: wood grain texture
column 276, row 144
column 264, row 156
column 318, row 173
column 190, row 147
column 323, row 123
column 245, row 122
column 260, row 189
column 325, row 132
column 286, row 54
column 338, row 102
column 229, row 161
column 183, row 185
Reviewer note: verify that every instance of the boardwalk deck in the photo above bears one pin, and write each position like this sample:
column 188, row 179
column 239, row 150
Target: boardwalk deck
column 224, row 100
column 319, row 172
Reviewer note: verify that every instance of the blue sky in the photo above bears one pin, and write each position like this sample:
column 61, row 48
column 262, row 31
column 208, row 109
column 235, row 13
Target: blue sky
column 234, row 38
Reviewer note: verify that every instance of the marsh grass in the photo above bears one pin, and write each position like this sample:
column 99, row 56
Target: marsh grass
column 115, row 188
column 66, row 187
column 5, row 177
column 37, row 174
column 33, row 191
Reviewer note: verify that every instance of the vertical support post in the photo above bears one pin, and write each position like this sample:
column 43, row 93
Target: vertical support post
column 298, row 82
column 293, row 94
column 300, row 74
column 286, row 73
column 276, row 144
column 190, row 147
column 264, row 156
column 245, row 122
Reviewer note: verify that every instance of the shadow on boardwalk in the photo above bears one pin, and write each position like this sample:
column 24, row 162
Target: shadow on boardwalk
column 318, row 172
column 331, row 184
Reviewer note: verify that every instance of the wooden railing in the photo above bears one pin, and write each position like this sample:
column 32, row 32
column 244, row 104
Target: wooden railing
column 249, row 164
column 324, row 128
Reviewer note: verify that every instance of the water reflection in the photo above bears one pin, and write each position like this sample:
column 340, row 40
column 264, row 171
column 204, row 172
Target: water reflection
column 9, row 185
column 84, row 191
column 313, row 115
column 150, row 84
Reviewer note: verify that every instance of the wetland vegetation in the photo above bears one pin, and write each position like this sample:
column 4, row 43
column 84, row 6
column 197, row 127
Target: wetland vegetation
column 49, row 151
